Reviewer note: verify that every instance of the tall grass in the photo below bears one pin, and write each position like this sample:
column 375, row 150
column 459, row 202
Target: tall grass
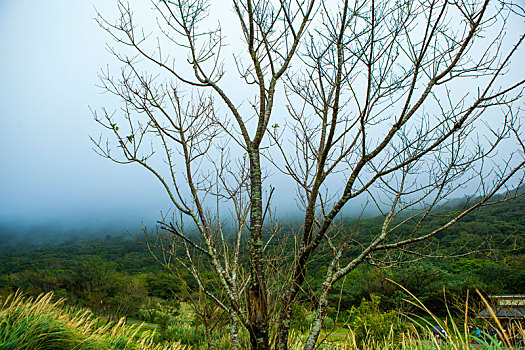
column 408, row 340
column 41, row 323
column 418, row 333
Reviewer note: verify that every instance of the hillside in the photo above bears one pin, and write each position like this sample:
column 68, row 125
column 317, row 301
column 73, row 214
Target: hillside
column 113, row 267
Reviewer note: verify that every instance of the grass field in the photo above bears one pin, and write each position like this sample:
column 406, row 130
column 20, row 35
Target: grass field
column 42, row 323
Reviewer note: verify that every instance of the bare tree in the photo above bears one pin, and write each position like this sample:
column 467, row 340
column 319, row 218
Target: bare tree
column 402, row 103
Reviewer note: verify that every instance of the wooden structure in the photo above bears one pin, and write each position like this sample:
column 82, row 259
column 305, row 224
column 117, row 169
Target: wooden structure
column 506, row 307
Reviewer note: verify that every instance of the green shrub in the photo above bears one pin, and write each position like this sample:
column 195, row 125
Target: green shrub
column 369, row 322
column 184, row 334
column 301, row 318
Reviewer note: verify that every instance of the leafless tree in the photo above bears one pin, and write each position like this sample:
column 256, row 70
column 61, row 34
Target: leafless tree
column 404, row 103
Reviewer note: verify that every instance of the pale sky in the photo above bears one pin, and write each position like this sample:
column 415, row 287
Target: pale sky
column 51, row 52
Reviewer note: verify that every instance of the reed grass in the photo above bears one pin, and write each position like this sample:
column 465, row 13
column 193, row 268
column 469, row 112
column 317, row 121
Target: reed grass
column 419, row 334
column 41, row 323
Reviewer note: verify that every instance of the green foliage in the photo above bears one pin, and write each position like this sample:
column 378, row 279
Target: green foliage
column 301, row 318
column 120, row 272
column 40, row 324
column 29, row 328
column 150, row 310
column 28, row 324
column 184, row 334
column 162, row 285
column 368, row 321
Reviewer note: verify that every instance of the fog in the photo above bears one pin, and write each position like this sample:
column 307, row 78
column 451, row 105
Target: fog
column 50, row 178
column 51, row 53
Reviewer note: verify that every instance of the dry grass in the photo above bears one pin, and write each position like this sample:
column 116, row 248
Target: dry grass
column 41, row 323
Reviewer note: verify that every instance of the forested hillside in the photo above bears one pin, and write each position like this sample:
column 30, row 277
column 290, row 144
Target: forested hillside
column 120, row 270
column 117, row 276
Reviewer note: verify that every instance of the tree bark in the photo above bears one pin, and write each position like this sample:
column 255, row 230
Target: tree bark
column 234, row 333
column 257, row 297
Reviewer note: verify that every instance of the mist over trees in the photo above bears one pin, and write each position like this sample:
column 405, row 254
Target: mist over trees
column 105, row 271
column 399, row 104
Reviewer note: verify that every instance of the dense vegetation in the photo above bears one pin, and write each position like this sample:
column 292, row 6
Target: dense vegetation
column 116, row 276
column 40, row 323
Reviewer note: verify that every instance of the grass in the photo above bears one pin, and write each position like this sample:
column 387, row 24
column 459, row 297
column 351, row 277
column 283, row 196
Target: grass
column 418, row 333
column 41, row 323
column 413, row 340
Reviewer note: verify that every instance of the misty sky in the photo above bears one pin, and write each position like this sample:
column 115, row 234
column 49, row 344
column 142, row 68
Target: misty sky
column 51, row 52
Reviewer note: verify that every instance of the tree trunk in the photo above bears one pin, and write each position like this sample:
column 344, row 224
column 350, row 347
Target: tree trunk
column 257, row 297
column 283, row 329
column 234, row 333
